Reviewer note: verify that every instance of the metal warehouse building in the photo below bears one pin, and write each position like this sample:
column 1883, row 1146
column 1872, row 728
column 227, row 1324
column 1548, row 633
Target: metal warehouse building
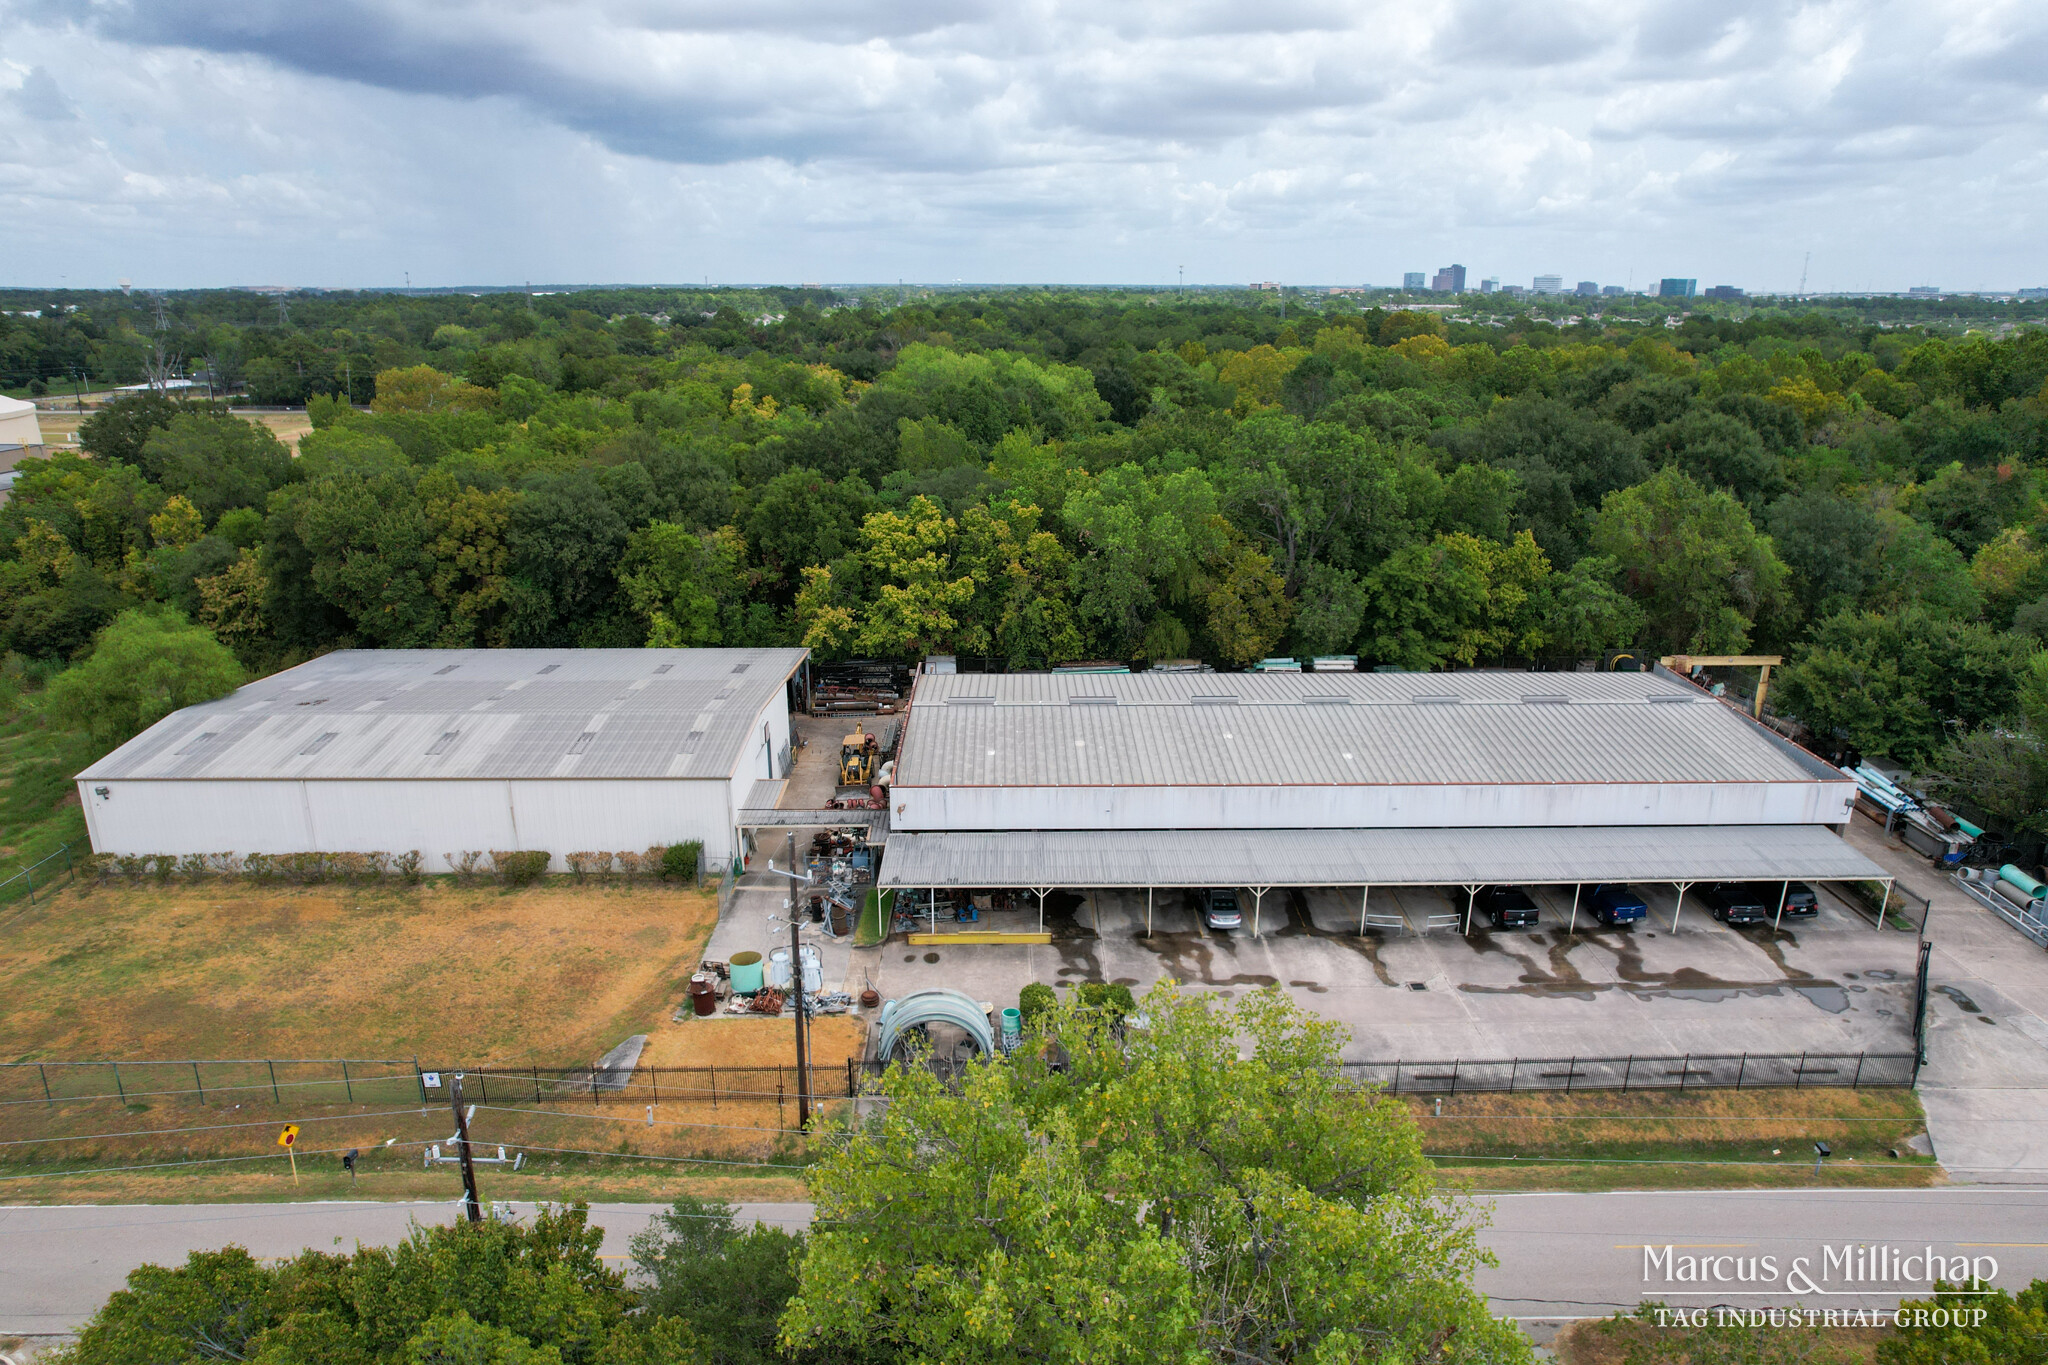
column 451, row 750
column 1271, row 780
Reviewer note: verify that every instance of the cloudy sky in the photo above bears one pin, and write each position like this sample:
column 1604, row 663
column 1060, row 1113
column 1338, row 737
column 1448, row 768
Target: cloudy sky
column 347, row 142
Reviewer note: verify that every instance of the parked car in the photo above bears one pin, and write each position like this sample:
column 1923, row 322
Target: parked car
column 1219, row 910
column 1741, row 902
column 1612, row 903
column 1801, row 902
column 1504, row 907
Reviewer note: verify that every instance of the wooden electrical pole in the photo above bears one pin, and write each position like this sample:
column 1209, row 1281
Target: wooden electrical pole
column 470, row 1203
column 803, row 1060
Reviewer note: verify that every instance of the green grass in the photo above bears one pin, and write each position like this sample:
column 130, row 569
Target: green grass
column 1694, row 1139
column 39, row 811
column 875, row 907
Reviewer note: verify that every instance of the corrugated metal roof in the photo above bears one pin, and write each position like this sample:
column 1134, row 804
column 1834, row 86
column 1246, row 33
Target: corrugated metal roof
column 1170, row 689
column 472, row 713
column 1376, row 857
column 1332, row 728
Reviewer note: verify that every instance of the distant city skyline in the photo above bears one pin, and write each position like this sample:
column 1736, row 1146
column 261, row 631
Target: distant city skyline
column 368, row 143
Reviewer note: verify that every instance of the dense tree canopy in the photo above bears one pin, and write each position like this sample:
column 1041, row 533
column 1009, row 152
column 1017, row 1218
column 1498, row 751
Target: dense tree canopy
column 1152, row 1197
column 1036, row 477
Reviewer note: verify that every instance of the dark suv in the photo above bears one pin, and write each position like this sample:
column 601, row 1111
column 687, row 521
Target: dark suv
column 1741, row 902
column 1505, row 907
column 1800, row 902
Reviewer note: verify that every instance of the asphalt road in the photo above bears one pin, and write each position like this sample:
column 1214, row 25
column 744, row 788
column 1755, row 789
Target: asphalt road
column 1561, row 1255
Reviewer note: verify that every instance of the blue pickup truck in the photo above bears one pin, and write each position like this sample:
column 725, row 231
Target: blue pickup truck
column 1612, row 903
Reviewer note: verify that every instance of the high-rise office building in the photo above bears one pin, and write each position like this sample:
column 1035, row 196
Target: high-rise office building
column 1490, row 285
column 1612, row 291
column 1677, row 288
column 1449, row 280
column 1588, row 289
column 1549, row 284
column 1415, row 279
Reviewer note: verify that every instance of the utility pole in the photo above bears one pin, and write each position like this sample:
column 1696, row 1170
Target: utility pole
column 803, row 1059
column 470, row 1203
column 1802, row 273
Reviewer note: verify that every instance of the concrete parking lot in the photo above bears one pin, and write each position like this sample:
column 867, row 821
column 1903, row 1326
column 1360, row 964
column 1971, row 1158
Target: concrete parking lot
column 1830, row 984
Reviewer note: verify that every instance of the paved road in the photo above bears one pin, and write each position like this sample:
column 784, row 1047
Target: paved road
column 1562, row 1255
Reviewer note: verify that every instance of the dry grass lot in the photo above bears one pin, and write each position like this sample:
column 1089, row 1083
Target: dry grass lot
column 1665, row 1139
column 548, row 975
column 285, row 426
column 1604, row 1341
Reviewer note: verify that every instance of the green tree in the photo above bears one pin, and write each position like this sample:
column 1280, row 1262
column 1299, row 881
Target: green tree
column 2014, row 1330
column 1021, row 610
column 917, row 593
column 1457, row 599
column 1901, row 685
column 1580, row 613
column 218, row 462
column 727, row 1285
column 1166, row 1196
column 688, row 588
column 478, row 1293
column 1691, row 556
column 119, row 430
column 145, row 665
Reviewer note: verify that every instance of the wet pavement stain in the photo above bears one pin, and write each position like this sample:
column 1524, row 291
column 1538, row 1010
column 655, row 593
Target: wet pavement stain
column 1191, row 958
column 1833, row 999
column 1311, row 987
column 1563, row 980
column 1963, row 1002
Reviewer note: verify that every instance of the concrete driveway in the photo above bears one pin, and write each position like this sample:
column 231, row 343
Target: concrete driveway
column 1833, row 984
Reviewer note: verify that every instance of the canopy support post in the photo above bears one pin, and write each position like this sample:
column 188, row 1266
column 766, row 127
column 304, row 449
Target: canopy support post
column 1364, row 896
column 1884, row 904
column 1572, row 928
column 1677, row 909
column 1258, row 903
column 1040, row 893
column 1784, row 894
column 1148, row 912
column 1471, row 899
column 933, row 904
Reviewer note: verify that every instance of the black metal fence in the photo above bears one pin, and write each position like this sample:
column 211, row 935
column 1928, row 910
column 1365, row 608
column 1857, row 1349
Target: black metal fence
column 303, row 1081
column 47, row 874
column 214, row 1081
column 1743, row 1071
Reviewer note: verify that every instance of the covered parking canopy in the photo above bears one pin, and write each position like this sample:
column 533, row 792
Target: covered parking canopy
column 1264, row 859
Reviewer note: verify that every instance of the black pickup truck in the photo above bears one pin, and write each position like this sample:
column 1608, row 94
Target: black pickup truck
column 1741, row 902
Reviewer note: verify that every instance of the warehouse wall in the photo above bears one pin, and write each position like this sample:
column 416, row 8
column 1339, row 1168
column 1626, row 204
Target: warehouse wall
column 435, row 817
column 1369, row 807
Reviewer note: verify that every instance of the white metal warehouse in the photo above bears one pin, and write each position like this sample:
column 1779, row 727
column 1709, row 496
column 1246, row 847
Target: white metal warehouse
column 1042, row 781
column 446, row 751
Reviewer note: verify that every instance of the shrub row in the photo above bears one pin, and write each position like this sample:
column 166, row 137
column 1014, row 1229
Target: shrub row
column 1112, row 999
column 513, row 867
column 672, row 863
column 296, row 868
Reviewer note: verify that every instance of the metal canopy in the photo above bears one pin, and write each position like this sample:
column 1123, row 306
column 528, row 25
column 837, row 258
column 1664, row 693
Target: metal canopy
column 1374, row 857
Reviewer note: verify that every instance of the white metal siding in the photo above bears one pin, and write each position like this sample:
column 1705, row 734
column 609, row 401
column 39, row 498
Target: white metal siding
column 437, row 818
column 1369, row 807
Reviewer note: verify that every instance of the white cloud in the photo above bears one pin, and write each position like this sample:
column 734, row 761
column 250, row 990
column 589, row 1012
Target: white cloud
column 181, row 142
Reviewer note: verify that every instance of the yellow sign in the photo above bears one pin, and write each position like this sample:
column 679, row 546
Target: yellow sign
column 289, row 1136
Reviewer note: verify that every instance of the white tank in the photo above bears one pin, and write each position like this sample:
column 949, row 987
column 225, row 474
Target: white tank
column 778, row 969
